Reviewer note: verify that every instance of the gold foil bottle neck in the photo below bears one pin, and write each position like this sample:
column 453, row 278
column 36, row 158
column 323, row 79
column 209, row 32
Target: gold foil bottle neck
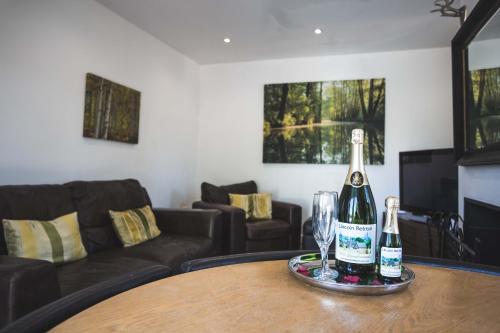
column 392, row 202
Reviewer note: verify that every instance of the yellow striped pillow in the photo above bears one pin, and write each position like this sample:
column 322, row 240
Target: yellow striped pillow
column 262, row 206
column 57, row 241
column 135, row 226
column 242, row 201
column 257, row 206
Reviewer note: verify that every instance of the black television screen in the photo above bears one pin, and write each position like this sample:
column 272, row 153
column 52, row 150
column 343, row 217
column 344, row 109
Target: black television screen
column 428, row 181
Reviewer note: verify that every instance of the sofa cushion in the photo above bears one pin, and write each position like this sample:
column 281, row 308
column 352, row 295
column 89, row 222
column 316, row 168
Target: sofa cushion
column 241, row 188
column 96, row 268
column 171, row 250
column 34, row 202
column 220, row 194
column 213, row 194
column 268, row 229
column 94, row 200
column 168, row 250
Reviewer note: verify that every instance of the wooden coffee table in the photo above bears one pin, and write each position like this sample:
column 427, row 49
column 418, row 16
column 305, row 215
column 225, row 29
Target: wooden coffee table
column 265, row 297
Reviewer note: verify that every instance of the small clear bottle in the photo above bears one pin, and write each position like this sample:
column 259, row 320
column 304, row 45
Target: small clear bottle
column 390, row 248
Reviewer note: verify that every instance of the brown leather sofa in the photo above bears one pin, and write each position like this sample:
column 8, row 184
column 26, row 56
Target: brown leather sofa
column 26, row 284
column 282, row 232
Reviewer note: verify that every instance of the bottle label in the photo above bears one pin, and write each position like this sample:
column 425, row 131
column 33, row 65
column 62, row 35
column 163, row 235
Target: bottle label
column 355, row 243
column 390, row 261
column 357, row 179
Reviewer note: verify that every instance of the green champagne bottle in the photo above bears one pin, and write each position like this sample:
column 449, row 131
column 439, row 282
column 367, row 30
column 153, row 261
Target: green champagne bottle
column 357, row 226
column 390, row 249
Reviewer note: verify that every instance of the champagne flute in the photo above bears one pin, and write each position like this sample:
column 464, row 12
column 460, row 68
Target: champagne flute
column 324, row 218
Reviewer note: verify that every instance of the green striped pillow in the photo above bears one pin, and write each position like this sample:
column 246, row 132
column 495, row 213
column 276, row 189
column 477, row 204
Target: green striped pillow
column 135, row 226
column 58, row 241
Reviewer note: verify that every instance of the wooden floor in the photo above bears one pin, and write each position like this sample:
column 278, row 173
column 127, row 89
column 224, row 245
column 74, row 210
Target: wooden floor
column 265, row 297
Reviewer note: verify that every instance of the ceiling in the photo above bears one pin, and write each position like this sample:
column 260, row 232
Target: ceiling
column 270, row 29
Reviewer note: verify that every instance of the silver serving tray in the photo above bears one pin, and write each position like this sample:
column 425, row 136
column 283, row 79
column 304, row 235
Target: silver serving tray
column 312, row 263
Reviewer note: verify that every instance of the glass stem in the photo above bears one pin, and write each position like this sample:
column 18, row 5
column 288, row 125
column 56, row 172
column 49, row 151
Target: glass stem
column 324, row 260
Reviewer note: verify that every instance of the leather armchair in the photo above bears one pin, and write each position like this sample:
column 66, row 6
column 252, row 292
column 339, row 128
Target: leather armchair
column 293, row 215
column 233, row 226
column 282, row 232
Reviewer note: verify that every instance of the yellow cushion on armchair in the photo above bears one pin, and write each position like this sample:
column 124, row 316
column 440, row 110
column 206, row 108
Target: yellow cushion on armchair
column 257, row 206
column 262, row 206
column 241, row 201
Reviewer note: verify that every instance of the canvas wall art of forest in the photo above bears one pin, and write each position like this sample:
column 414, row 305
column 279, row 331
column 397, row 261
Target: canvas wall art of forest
column 484, row 114
column 111, row 111
column 311, row 122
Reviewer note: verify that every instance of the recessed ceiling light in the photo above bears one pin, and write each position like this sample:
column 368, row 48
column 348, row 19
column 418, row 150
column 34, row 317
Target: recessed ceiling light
column 227, row 40
column 318, row 31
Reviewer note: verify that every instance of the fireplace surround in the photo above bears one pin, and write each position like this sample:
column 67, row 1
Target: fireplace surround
column 482, row 220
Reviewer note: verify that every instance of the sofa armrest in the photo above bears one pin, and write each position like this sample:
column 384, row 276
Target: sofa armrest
column 25, row 285
column 194, row 222
column 233, row 226
column 292, row 214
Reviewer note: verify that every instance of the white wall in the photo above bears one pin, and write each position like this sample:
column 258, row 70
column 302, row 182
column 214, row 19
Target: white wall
column 46, row 47
column 480, row 183
column 418, row 116
column 484, row 54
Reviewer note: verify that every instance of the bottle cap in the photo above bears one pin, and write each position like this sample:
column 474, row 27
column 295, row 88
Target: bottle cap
column 392, row 202
column 357, row 136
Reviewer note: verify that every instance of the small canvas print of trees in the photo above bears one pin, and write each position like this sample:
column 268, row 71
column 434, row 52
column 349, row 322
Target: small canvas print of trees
column 484, row 124
column 311, row 122
column 111, row 111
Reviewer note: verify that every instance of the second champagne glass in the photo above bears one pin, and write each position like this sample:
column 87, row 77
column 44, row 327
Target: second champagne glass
column 324, row 218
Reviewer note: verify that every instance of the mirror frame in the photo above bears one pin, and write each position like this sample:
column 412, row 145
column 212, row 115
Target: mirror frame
column 477, row 19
